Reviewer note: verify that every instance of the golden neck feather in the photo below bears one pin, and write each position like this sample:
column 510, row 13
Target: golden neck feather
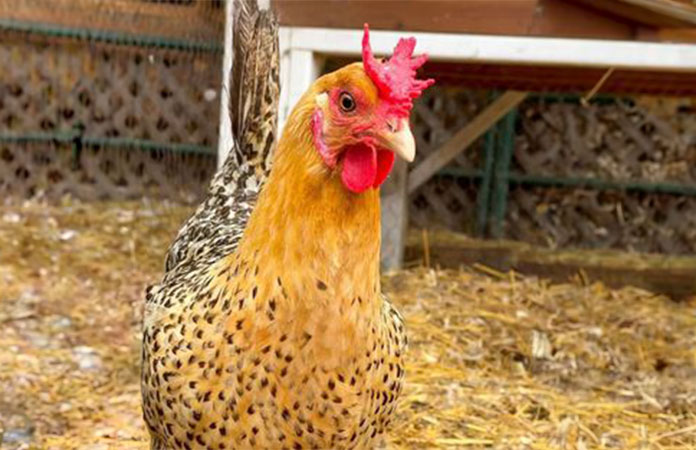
column 308, row 225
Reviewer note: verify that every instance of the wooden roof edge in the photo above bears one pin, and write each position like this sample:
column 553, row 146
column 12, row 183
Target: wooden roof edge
column 563, row 79
column 668, row 8
column 651, row 13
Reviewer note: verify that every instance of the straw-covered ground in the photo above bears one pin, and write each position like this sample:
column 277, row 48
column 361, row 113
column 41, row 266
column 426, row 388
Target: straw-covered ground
column 496, row 360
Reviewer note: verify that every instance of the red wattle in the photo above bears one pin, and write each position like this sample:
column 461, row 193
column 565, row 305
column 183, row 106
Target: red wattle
column 385, row 162
column 365, row 167
column 359, row 168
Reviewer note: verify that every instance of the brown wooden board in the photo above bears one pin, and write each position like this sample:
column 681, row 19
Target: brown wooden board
column 562, row 79
column 504, row 17
column 670, row 14
column 672, row 276
column 677, row 34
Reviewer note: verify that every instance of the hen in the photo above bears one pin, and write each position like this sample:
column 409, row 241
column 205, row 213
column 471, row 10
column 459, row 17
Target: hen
column 286, row 341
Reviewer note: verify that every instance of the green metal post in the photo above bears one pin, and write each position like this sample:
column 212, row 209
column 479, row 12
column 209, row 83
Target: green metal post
column 506, row 144
column 484, row 192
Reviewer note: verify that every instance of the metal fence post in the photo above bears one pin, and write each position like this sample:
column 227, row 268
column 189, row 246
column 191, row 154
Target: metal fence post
column 394, row 211
column 484, row 192
column 504, row 152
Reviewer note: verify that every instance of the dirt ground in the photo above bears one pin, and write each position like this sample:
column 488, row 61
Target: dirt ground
column 496, row 360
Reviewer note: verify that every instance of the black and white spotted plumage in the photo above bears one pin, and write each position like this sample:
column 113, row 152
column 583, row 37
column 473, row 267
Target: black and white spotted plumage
column 217, row 224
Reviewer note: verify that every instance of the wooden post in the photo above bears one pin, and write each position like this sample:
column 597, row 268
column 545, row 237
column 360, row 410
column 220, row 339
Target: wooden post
column 299, row 69
column 394, row 216
column 225, row 131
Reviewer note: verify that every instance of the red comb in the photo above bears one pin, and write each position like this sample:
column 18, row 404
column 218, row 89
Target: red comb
column 396, row 78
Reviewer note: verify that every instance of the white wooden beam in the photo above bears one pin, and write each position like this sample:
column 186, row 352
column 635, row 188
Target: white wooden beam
column 463, row 138
column 225, row 130
column 394, row 212
column 506, row 49
column 298, row 70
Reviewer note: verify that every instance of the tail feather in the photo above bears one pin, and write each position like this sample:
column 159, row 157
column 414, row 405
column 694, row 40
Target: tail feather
column 254, row 87
column 217, row 225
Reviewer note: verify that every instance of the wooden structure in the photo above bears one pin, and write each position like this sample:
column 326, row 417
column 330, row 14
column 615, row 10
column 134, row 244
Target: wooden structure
column 668, row 275
column 585, row 19
column 517, row 46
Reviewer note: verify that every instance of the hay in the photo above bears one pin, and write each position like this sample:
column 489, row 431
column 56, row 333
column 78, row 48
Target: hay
column 496, row 360
column 518, row 363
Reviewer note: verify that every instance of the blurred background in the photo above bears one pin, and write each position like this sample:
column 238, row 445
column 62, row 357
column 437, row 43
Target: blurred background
column 543, row 240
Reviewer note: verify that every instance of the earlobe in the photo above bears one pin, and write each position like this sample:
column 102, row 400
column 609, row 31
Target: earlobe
column 322, row 100
column 318, row 132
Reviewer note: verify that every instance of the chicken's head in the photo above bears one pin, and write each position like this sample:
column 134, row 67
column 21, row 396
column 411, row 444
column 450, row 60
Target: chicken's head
column 361, row 115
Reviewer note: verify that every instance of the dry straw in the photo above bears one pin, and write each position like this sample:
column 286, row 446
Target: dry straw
column 496, row 360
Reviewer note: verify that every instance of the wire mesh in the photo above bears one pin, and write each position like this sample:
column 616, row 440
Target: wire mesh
column 134, row 85
column 618, row 174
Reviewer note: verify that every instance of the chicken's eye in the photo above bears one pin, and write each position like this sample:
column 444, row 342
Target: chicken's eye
column 347, row 102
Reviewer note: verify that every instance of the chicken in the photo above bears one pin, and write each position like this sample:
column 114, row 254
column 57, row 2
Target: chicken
column 217, row 225
column 287, row 341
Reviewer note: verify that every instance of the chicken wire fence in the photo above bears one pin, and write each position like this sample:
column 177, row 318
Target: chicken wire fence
column 109, row 99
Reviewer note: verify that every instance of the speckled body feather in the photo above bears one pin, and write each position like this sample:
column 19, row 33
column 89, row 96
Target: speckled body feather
column 283, row 340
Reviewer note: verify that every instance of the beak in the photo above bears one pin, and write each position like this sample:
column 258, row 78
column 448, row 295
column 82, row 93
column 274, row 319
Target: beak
column 399, row 139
